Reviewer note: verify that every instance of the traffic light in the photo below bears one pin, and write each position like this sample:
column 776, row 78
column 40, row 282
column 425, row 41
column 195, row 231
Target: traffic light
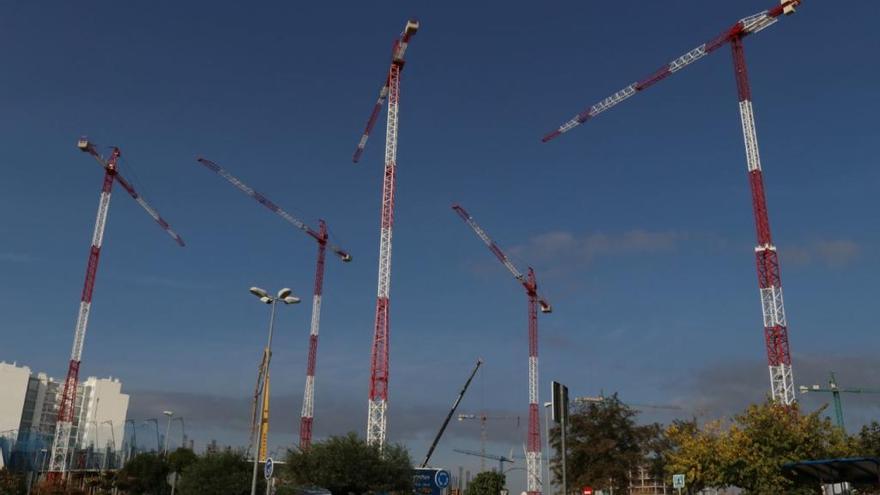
column 559, row 400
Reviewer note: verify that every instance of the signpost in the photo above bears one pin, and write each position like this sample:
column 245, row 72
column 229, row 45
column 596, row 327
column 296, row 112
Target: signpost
column 268, row 471
column 269, row 468
column 428, row 481
column 678, row 482
column 559, row 402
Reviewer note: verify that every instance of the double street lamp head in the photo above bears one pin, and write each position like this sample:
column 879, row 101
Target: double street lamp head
column 285, row 295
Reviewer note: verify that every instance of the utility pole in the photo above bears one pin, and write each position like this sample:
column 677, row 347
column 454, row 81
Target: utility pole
column 559, row 401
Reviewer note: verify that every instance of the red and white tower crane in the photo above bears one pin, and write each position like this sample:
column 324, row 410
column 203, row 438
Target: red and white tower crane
column 66, row 405
column 769, row 281
column 535, row 300
column 378, row 398
column 322, row 237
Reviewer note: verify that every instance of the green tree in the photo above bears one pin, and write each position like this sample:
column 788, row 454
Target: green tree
column 144, row 474
column 868, row 440
column 11, row 483
column 347, row 464
column 180, row 459
column 766, row 436
column 486, row 483
column 749, row 454
column 695, row 452
column 221, row 473
column 604, row 445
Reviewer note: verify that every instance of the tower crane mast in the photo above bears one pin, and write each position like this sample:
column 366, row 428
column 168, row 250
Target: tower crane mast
column 378, row 396
column 67, row 402
column 535, row 300
column 769, row 279
column 322, row 237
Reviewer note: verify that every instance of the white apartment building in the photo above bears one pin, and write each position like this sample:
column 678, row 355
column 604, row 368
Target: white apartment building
column 28, row 406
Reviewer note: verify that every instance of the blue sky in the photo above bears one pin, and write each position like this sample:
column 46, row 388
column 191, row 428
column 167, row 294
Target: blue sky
column 638, row 224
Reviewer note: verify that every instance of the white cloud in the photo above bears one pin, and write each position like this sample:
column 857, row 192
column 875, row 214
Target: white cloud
column 582, row 250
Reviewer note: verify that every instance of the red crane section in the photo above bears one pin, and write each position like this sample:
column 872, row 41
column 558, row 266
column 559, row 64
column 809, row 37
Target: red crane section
column 322, row 237
column 769, row 279
column 379, row 372
column 66, row 405
column 535, row 300
column 745, row 26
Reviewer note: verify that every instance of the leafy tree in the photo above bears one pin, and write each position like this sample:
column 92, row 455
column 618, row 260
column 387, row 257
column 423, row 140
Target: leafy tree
column 766, row 436
column 145, row 474
column 347, row 464
column 180, row 459
column 486, row 483
column 750, row 453
column 11, row 483
column 868, row 440
column 221, row 473
column 696, row 453
column 604, row 445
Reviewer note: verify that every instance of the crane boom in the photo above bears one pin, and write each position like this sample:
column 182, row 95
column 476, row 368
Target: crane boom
column 451, row 412
column 500, row 458
column 745, row 26
column 274, row 208
column 530, row 284
column 397, row 57
column 776, row 339
column 322, row 237
column 67, row 402
column 835, row 392
column 493, row 247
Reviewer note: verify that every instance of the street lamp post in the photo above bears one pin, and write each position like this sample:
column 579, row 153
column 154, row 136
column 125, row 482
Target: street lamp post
column 182, row 431
column 286, row 296
column 113, row 440
column 170, row 414
column 155, row 422
column 547, row 481
column 132, row 448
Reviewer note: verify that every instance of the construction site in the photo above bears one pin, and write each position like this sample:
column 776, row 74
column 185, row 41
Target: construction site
column 642, row 228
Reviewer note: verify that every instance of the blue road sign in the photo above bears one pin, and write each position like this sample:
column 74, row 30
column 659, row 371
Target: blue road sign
column 429, row 481
column 268, row 468
column 441, row 479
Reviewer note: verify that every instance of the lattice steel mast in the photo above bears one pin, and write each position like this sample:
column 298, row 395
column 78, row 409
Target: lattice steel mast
column 67, row 402
column 529, row 283
column 378, row 397
column 322, row 237
column 769, row 281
